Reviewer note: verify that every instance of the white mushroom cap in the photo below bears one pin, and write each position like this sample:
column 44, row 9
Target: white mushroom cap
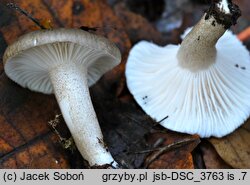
column 209, row 102
column 29, row 60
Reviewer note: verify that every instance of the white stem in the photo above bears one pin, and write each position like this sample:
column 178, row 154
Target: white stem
column 72, row 93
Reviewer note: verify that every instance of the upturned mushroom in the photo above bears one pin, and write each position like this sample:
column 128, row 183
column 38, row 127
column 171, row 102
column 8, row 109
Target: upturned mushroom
column 199, row 87
column 66, row 62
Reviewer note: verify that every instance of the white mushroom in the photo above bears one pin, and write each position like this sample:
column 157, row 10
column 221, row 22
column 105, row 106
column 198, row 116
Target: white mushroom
column 66, row 62
column 199, row 87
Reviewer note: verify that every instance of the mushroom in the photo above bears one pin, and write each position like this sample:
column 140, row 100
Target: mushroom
column 66, row 62
column 199, row 87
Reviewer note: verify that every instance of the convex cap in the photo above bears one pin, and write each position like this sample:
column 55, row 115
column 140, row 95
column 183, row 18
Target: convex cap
column 29, row 60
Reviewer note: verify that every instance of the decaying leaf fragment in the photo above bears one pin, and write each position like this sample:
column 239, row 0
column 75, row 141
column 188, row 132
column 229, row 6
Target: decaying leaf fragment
column 235, row 148
column 211, row 158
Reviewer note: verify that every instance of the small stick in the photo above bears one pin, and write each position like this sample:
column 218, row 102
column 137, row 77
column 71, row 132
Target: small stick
column 159, row 151
column 25, row 13
column 94, row 29
column 163, row 119
column 167, row 147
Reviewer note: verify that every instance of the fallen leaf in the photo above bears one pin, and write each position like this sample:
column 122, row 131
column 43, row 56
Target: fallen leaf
column 99, row 14
column 61, row 11
column 8, row 36
column 4, row 146
column 26, row 140
column 234, row 149
column 138, row 28
column 41, row 152
column 211, row 158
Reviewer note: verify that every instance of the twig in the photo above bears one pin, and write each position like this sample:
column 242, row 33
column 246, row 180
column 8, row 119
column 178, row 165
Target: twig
column 16, row 7
column 163, row 119
column 159, row 151
column 159, row 122
column 167, row 147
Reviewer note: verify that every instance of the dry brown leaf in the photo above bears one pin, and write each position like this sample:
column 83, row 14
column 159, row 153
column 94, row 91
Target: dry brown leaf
column 235, row 148
column 38, row 10
column 138, row 28
column 26, row 141
column 211, row 158
column 40, row 153
column 99, row 14
column 61, row 11
column 10, row 36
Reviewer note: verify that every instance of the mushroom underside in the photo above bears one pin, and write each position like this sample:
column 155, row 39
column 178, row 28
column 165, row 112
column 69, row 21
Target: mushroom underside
column 210, row 102
column 31, row 67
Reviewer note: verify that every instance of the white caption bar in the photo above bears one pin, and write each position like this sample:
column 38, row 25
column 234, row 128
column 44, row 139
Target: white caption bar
column 111, row 177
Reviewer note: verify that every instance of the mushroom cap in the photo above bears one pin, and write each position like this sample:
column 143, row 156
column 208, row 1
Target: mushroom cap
column 211, row 102
column 29, row 60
